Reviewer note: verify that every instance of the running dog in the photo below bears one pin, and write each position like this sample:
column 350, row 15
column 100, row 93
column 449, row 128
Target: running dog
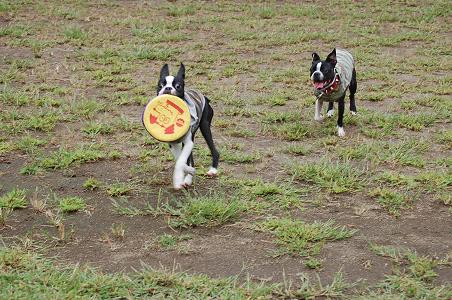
column 331, row 78
column 201, row 114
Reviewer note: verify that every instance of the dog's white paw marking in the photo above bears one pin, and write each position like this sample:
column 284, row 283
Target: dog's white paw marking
column 178, row 178
column 178, row 186
column 188, row 180
column 340, row 131
column 189, row 170
column 353, row 113
column 318, row 118
column 212, row 172
column 330, row 113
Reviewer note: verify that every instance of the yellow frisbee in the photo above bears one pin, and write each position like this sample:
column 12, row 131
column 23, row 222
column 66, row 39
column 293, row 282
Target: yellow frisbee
column 167, row 118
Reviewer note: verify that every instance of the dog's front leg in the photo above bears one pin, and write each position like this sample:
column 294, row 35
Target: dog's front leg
column 188, row 180
column 181, row 163
column 176, row 149
column 318, row 110
column 340, row 119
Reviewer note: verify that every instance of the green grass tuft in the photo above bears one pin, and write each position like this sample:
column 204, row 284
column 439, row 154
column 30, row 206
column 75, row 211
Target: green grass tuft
column 298, row 149
column 92, row 184
column 208, row 211
column 41, row 279
column 167, row 241
column 313, row 263
column 412, row 275
column 71, row 204
column 300, row 238
column 336, row 177
column 63, row 159
column 16, row 198
column 75, row 33
column 118, row 189
column 95, row 128
column 391, row 200
column 29, row 144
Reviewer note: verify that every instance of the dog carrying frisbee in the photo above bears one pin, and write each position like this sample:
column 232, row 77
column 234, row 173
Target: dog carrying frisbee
column 174, row 116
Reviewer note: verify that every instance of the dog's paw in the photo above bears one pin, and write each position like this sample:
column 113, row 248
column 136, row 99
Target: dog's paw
column 340, row 131
column 178, row 187
column 189, row 170
column 212, row 172
column 188, row 180
column 318, row 118
column 178, row 179
column 353, row 113
column 330, row 113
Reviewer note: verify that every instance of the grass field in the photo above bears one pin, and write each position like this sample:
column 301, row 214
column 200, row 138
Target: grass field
column 87, row 208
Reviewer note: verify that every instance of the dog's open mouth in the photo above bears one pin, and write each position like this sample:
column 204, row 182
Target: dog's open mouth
column 320, row 84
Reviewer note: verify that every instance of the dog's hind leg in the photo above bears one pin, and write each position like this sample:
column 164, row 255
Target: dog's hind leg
column 190, row 169
column 353, row 87
column 206, row 122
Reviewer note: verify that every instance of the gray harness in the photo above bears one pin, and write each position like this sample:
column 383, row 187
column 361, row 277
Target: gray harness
column 196, row 103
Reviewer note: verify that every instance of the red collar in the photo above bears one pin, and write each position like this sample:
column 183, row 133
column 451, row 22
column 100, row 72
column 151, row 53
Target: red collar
column 332, row 86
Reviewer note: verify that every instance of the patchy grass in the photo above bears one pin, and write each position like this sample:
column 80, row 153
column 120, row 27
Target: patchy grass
column 16, row 198
column 336, row 177
column 71, row 204
column 19, row 123
column 95, row 128
column 4, row 214
column 62, row 159
column 118, row 189
column 85, row 108
column 92, row 184
column 207, row 211
column 313, row 263
column 300, row 238
column 30, row 144
column 284, row 194
column 406, row 153
column 237, row 156
column 289, row 131
column 75, row 33
column 298, row 149
column 37, row 274
column 169, row 241
column 412, row 276
column 118, row 231
column 391, row 200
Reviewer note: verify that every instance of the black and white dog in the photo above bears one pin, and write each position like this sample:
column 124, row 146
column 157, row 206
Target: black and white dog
column 331, row 78
column 201, row 117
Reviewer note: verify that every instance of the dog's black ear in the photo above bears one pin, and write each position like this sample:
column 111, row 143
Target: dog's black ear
column 315, row 57
column 332, row 57
column 164, row 71
column 181, row 73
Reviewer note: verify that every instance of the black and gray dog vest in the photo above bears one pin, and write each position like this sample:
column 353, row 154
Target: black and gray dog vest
column 196, row 102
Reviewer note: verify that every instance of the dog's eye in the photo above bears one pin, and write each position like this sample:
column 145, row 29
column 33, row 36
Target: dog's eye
column 177, row 86
column 162, row 85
